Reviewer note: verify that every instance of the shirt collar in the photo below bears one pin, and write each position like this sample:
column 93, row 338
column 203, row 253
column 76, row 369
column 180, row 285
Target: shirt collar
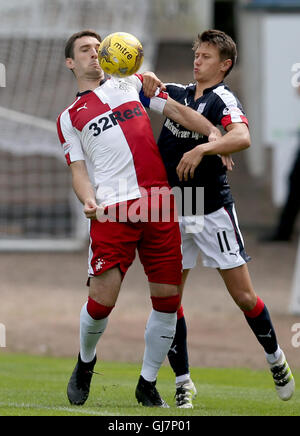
column 207, row 90
column 192, row 88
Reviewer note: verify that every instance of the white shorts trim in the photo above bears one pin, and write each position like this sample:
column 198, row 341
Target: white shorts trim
column 219, row 240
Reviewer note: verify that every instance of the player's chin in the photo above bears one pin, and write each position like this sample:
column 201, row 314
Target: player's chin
column 95, row 72
column 197, row 75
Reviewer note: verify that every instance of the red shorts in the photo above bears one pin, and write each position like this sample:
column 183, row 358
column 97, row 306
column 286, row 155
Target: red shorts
column 158, row 241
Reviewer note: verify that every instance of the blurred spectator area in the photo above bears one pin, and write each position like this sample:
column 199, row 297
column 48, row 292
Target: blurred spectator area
column 39, row 85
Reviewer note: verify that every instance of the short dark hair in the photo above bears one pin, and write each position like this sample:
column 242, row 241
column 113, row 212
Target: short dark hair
column 69, row 48
column 224, row 43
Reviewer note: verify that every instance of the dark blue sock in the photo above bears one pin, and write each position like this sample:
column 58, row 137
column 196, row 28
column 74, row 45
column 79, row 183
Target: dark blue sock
column 263, row 329
column 178, row 354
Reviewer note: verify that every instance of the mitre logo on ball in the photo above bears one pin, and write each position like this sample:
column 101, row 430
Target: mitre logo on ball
column 120, row 54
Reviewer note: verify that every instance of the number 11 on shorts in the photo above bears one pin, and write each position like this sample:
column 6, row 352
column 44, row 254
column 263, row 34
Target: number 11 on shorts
column 223, row 241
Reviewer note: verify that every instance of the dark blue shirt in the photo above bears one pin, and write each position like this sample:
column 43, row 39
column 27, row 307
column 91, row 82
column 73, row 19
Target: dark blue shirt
column 220, row 106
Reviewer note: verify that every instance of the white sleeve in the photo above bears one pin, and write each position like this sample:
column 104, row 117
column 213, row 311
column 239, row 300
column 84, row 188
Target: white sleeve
column 156, row 103
column 69, row 139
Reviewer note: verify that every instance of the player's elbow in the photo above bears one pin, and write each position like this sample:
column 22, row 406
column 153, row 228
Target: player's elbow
column 245, row 140
column 245, row 143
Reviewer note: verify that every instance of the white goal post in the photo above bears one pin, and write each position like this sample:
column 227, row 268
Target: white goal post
column 38, row 209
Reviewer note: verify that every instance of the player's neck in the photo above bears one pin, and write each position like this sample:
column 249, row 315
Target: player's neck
column 86, row 84
column 201, row 86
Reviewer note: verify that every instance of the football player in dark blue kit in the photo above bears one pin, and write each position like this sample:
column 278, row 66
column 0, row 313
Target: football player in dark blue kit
column 191, row 161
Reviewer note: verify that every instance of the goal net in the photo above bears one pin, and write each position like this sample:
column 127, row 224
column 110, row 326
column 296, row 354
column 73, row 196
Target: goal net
column 38, row 210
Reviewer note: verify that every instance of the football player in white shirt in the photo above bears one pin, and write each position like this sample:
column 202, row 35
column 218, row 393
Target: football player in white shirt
column 108, row 125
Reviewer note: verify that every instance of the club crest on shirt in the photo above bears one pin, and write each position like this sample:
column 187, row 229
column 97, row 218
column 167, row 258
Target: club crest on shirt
column 232, row 111
column 124, row 86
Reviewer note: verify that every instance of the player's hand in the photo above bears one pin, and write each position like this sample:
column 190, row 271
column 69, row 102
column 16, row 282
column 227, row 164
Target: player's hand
column 189, row 162
column 227, row 161
column 150, row 84
column 91, row 209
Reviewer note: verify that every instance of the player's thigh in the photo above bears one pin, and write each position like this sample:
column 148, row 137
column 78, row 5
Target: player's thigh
column 111, row 252
column 160, row 254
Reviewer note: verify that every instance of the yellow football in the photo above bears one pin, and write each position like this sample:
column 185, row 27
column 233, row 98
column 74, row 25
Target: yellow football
column 120, row 54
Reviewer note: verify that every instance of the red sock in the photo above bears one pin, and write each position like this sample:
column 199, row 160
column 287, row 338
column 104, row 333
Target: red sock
column 257, row 310
column 166, row 304
column 180, row 313
column 96, row 310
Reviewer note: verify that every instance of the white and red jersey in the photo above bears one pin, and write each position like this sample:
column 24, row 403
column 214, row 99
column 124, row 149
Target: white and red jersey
column 110, row 127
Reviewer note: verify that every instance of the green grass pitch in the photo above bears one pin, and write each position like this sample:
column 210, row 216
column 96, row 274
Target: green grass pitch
column 36, row 386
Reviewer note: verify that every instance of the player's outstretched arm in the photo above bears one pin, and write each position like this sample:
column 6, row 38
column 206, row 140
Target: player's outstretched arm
column 187, row 117
column 190, row 119
column 83, row 188
column 151, row 83
column 236, row 139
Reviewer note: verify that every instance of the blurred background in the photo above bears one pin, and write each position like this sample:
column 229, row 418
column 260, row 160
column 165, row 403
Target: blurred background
column 43, row 234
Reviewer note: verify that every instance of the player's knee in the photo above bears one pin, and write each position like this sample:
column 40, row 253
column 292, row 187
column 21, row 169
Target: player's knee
column 166, row 304
column 246, row 301
column 98, row 311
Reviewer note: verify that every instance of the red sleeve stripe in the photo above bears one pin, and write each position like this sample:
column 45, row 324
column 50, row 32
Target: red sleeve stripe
column 68, row 159
column 59, row 131
column 163, row 95
column 228, row 120
column 139, row 76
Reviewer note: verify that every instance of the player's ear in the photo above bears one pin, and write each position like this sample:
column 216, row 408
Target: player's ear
column 70, row 63
column 226, row 65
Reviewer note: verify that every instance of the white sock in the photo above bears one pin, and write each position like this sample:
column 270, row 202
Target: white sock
column 272, row 358
column 183, row 378
column 91, row 331
column 159, row 335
